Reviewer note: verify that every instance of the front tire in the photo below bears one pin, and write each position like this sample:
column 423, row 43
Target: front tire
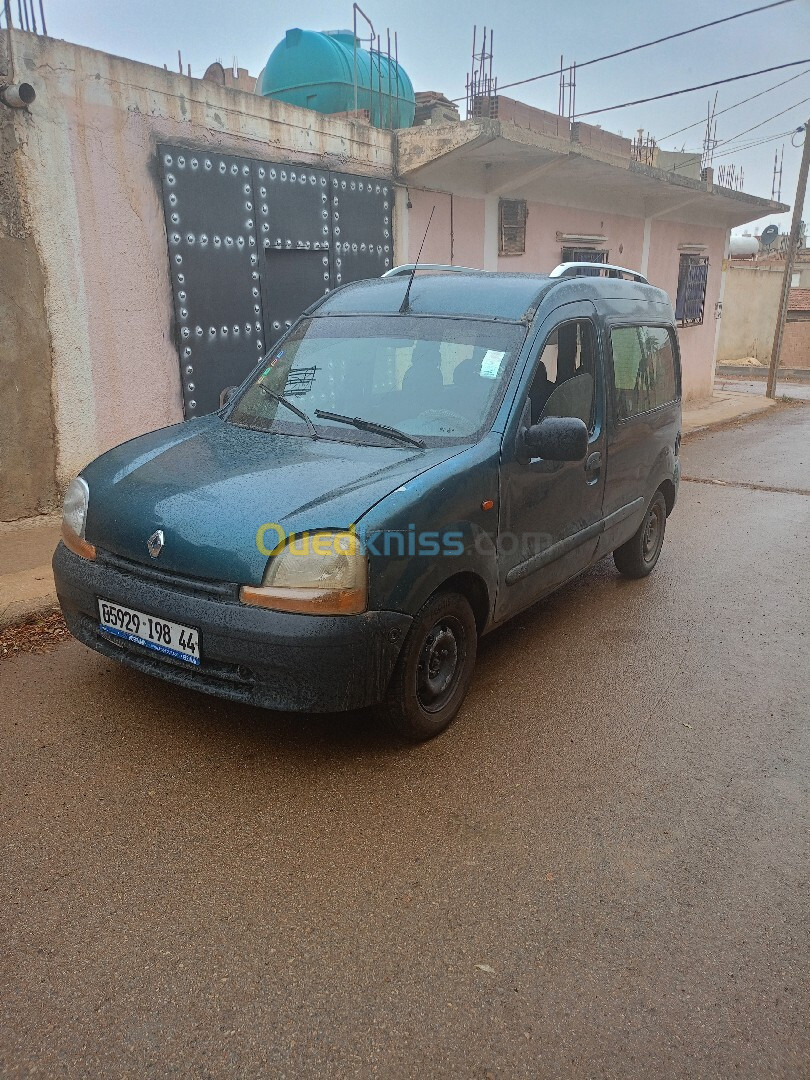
column 638, row 556
column 434, row 669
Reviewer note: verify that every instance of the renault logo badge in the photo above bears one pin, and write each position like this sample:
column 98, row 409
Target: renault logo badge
column 155, row 543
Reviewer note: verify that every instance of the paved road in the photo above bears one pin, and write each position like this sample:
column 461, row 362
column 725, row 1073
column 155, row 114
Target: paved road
column 599, row 871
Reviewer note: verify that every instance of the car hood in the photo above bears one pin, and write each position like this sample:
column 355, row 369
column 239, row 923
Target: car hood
column 210, row 486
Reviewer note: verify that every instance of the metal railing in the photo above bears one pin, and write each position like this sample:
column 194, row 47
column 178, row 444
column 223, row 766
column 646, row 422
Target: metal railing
column 388, row 113
column 409, row 268
column 26, row 16
column 580, row 269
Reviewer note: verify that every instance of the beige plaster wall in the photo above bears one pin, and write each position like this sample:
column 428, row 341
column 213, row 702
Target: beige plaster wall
column 750, row 307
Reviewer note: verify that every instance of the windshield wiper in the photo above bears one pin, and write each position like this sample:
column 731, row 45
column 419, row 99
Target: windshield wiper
column 293, row 408
column 370, row 425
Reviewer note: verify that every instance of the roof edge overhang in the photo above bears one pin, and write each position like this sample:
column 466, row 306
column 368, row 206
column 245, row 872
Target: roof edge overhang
column 494, row 157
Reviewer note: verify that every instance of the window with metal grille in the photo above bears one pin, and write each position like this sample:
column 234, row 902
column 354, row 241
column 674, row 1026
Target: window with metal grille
column 512, row 216
column 594, row 255
column 693, row 274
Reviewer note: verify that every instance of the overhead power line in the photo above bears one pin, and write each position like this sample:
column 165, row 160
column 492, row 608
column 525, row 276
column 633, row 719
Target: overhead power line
column 692, row 89
column 645, row 45
column 702, row 121
column 739, row 149
column 752, row 145
column 736, row 149
column 754, row 142
column 762, row 123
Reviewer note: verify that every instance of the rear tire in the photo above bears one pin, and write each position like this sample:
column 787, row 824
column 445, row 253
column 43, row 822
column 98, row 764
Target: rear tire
column 434, row 669
column 638, row 556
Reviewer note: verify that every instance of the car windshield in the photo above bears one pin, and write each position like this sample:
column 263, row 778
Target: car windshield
column 437, row 381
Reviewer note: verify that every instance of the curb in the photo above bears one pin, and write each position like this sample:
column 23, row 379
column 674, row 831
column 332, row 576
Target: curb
column 29, row 592
column 726, row 410
column 724, row 371
column 26, row 579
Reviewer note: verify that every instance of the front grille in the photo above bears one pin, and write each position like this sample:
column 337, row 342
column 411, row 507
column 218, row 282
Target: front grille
column 226, row 591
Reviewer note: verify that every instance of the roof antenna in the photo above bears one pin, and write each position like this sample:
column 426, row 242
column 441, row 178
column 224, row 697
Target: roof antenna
column 404, row 305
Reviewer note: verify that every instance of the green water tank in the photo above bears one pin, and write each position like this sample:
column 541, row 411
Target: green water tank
column 315, row 70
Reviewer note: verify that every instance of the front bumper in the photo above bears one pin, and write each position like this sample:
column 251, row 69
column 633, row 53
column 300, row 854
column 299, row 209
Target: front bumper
column 297, row 663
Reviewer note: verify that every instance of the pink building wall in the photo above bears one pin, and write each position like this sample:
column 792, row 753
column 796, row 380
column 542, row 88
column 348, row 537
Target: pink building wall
column 467, row 246
column 456, row 235
column 468, row 231
column 697, row 342
column 625, row 237
column 437, row 241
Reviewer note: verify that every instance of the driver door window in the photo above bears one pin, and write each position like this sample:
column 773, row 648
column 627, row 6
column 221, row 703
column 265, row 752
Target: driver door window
column 565, row 378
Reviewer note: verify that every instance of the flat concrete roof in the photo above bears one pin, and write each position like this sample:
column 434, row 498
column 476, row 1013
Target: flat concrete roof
column 497, row 157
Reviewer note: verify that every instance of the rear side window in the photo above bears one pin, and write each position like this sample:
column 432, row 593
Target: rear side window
column 644, row 375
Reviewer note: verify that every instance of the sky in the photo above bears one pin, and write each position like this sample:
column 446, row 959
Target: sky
column 529, row 36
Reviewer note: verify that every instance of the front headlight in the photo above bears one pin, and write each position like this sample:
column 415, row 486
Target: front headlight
column 74, row 518
column 322, row 573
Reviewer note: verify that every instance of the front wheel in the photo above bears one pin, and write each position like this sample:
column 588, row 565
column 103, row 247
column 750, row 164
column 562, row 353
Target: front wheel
column 434, row 668
column 638, row 556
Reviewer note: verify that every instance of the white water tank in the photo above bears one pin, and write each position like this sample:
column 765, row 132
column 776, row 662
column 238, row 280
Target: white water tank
column 743, row 245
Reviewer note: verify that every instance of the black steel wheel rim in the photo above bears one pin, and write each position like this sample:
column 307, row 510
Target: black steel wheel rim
column 441, row 661
column 653, row 533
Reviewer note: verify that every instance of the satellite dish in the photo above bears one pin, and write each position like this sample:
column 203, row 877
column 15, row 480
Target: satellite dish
column 769, row 235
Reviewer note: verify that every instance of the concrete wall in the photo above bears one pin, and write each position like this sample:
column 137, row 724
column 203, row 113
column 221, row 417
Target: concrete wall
column 598, row 139
column 527, row 116
column 750, row 307
column 88, row 170
column 27, row 443
column 475, row 243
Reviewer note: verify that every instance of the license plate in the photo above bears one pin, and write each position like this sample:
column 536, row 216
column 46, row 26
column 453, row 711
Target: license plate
column 171, row 639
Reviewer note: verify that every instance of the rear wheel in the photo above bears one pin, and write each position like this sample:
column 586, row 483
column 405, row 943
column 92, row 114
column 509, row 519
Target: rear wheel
column 434, row 668
column 638, row 556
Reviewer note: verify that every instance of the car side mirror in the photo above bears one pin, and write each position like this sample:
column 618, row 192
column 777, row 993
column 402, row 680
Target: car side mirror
column 557, row 438
column 226, row 395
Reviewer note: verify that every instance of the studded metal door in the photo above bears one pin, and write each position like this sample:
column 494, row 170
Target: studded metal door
column 251, row 245
column 361, row 227
column 295, row 238
column 210, row 225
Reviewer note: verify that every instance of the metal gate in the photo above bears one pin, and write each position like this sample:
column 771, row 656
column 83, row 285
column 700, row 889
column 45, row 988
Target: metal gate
column 251, row 245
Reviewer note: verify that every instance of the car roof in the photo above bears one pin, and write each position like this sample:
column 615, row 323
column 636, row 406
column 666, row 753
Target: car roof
column 482, row 294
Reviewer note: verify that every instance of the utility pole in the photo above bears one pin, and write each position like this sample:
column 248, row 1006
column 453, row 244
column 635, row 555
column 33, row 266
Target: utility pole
column 790, row 258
